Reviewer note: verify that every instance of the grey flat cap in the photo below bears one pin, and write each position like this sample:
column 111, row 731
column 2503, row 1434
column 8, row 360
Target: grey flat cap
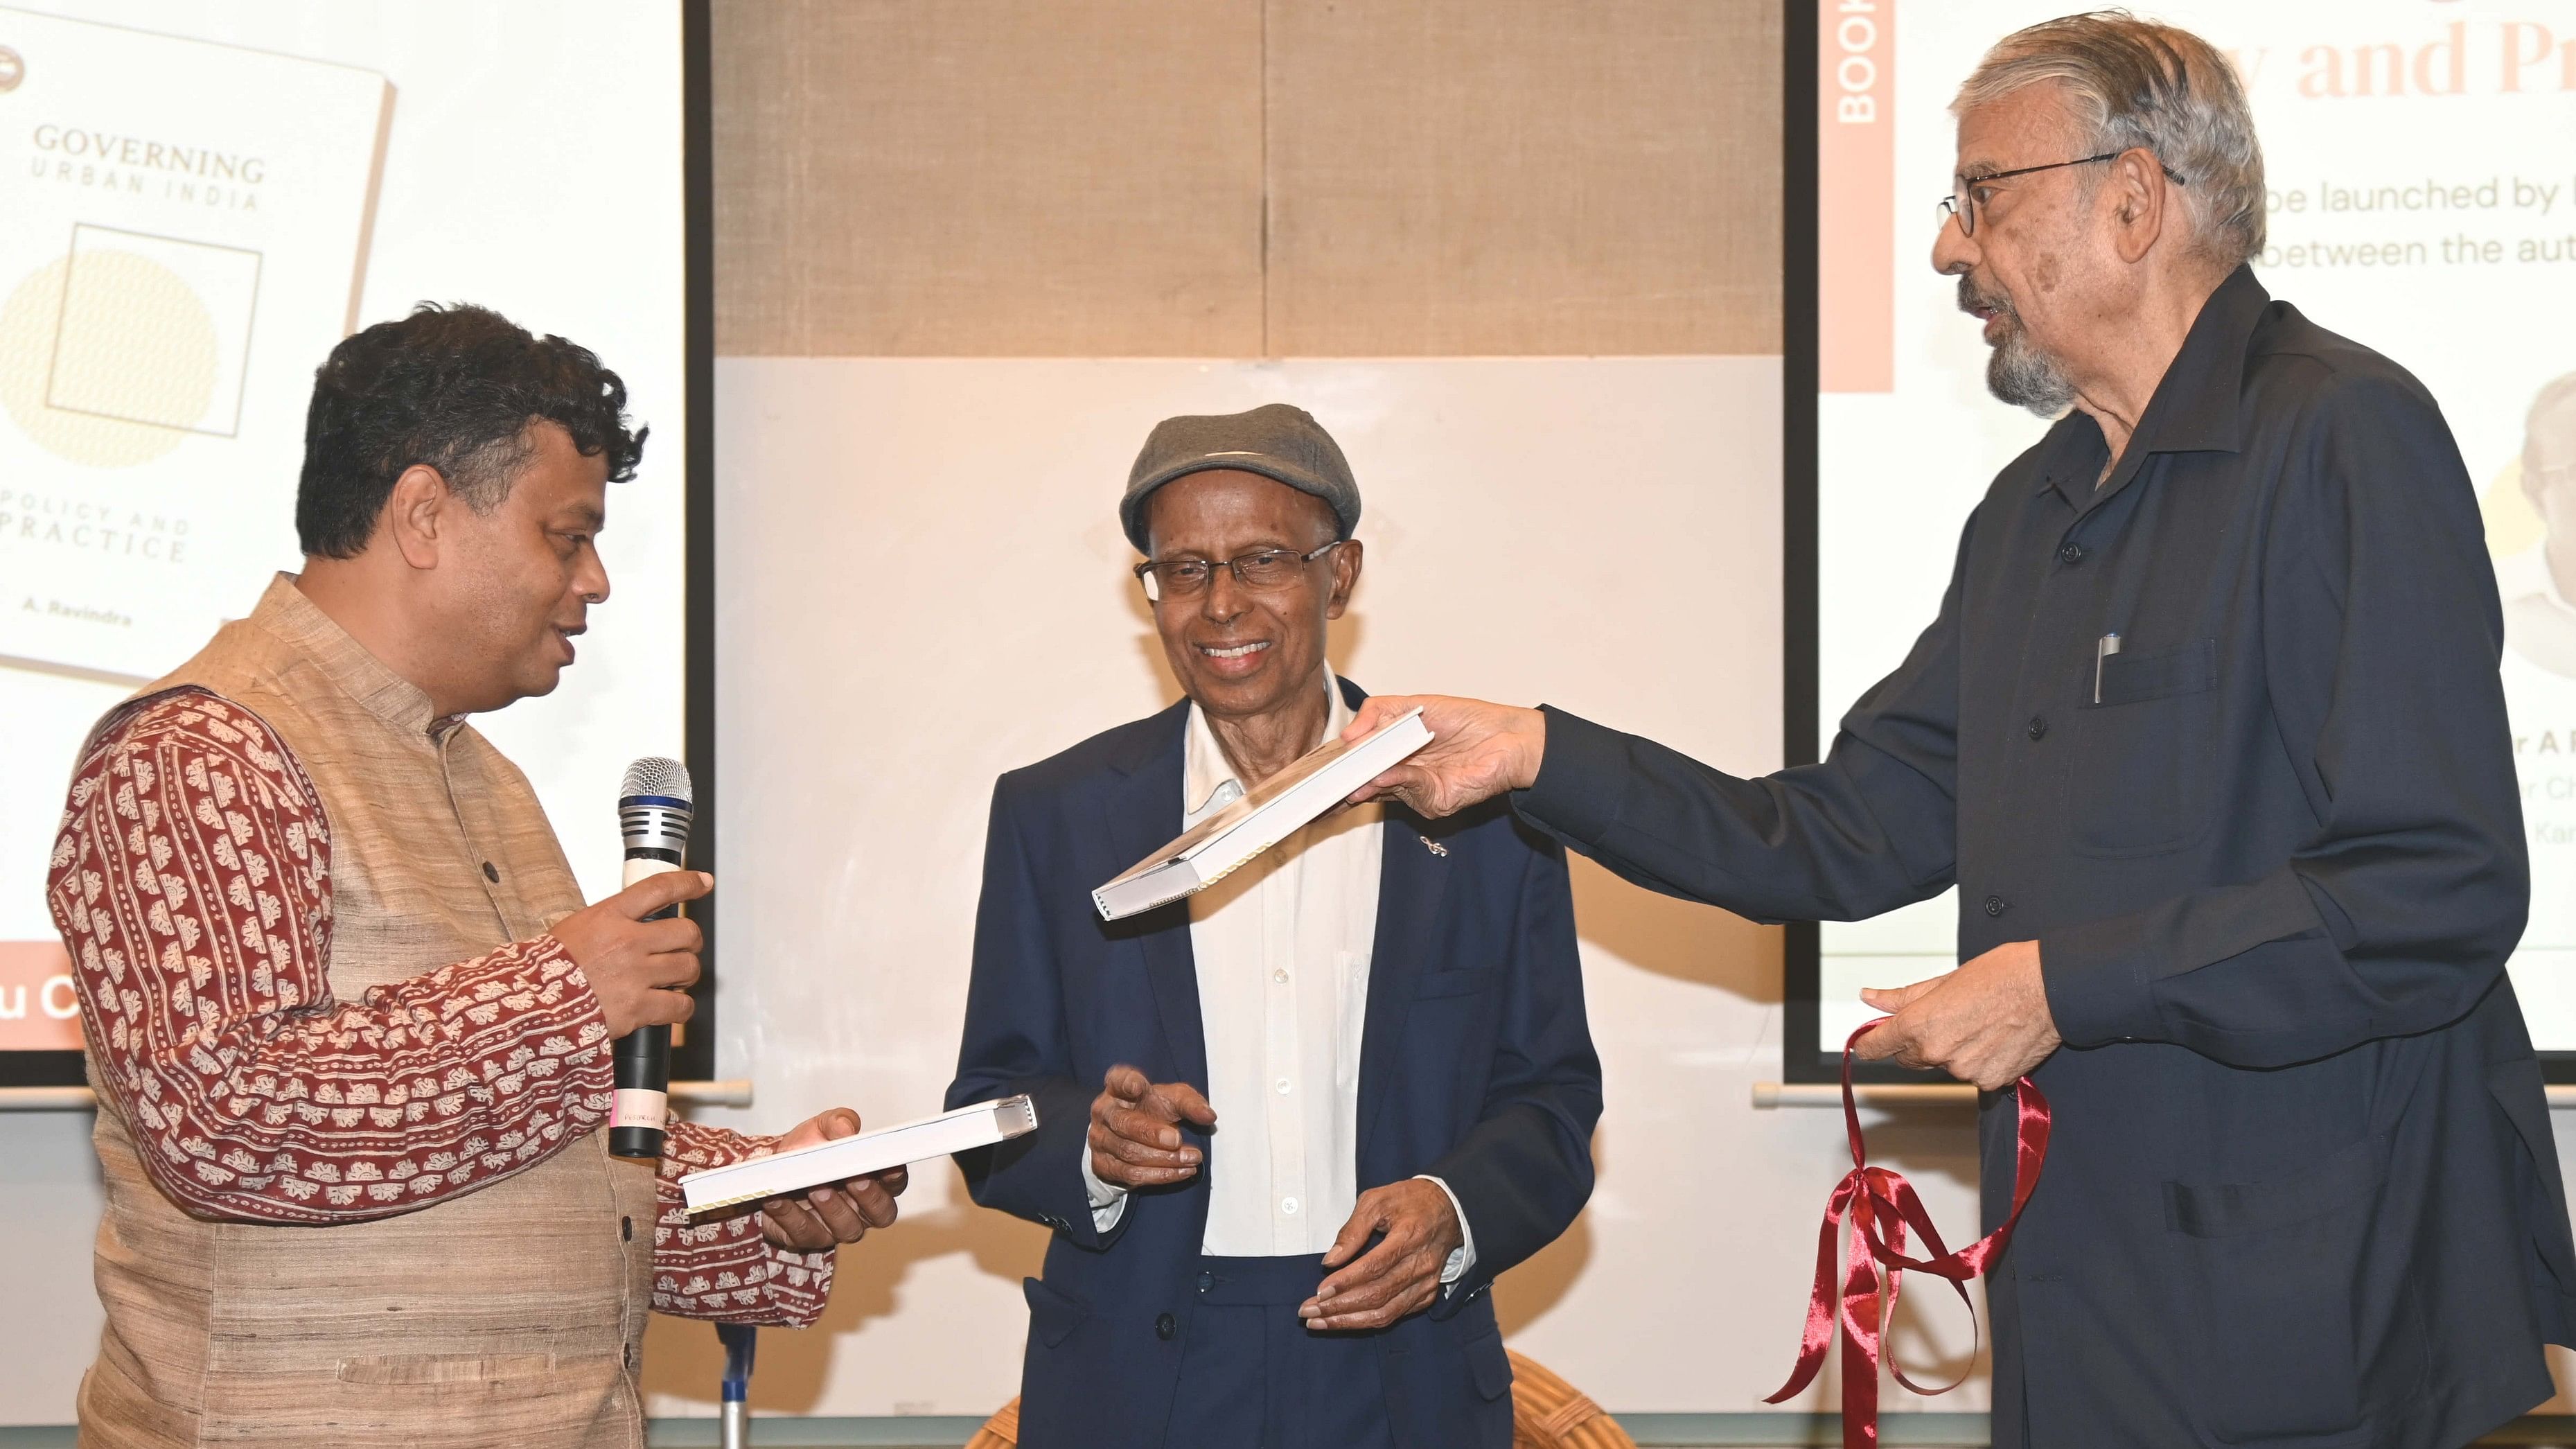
column 1273, row 440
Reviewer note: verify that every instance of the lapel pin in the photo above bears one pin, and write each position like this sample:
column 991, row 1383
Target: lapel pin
column 1435, row 847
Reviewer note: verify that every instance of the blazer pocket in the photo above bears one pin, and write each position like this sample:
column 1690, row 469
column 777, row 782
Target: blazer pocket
column 1449, row 1385
column 2140, row 773
column 1455, row 983
column 1486, row 1361
column 2271, row 1271
column 1053, row 1313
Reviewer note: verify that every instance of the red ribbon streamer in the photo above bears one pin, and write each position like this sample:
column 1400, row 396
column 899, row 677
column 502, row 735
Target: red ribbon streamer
column 1882, row 1205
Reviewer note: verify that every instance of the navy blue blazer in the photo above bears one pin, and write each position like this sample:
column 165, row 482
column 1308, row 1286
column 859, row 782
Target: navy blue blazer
column 1476, row 1066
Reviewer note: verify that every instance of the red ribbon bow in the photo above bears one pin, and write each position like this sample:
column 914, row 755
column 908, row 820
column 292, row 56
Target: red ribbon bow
column 1881, row 1205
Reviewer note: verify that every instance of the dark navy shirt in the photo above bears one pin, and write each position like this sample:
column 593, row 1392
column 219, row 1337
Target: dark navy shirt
column 2302, row 1188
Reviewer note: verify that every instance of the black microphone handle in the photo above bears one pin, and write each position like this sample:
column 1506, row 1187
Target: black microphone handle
column 642, row 1066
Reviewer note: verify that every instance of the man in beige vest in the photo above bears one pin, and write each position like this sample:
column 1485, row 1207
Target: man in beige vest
column 348, row 1018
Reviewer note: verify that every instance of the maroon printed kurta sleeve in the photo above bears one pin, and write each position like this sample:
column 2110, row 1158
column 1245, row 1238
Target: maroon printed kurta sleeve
column 191, row 882
column 722, row 1267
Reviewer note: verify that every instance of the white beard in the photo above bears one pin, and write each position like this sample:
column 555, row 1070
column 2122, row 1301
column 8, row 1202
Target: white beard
column 2022, row 375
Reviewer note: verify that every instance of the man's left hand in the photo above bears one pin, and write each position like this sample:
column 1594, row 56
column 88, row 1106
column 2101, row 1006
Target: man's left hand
column 834, row 1213
column 1986, row 1022
column 1399, row 1276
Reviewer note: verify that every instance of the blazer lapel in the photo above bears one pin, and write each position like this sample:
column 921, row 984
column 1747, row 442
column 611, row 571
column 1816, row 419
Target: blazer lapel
column 1411, row 884
column 1143, row 812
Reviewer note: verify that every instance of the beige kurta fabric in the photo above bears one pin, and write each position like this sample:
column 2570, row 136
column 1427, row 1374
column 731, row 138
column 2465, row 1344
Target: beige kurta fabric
column 512, row 1315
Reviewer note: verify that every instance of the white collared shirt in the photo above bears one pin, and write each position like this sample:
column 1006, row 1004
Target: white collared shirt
column 1282, row 948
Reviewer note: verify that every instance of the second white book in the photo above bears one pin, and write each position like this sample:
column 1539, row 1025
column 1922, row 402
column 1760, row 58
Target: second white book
column 781, row 1173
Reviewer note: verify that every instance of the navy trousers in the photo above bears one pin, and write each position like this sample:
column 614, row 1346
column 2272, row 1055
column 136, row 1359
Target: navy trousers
column 1253, row 1376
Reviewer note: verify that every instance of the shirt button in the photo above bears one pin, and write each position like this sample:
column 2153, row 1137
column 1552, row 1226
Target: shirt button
column 1288, row 1205
column 1994, row 905
column 1279, row 976
column 1283, row 1086
column 2039, row 727
column 491, row 873
column 1165, row 1327
column 2071, row 555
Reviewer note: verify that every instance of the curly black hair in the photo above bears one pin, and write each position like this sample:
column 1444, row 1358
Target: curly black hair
column 455, row 388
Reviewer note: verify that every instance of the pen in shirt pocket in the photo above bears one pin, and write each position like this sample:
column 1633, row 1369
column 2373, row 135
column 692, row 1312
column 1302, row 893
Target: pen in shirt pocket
column 2103, row 648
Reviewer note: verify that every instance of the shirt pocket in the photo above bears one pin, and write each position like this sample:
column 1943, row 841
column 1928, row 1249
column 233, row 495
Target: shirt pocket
column 2141, row 776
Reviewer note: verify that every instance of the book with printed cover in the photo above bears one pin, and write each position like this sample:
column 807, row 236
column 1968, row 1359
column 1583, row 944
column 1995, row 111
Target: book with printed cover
column 1279, row 807
column 185, row 237
column 780, row 1173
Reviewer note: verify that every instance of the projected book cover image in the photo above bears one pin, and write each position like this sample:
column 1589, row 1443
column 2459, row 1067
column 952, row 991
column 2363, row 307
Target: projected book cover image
column 1212, row 849
column 182, row 244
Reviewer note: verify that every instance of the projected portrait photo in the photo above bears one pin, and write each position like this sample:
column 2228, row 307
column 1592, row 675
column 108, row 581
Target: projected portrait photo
column 2538, row 582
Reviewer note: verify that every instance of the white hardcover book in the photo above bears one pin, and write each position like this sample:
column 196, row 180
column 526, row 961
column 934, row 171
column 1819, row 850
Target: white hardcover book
column 182, row 235
column 1283, row 804
column 781, row 1173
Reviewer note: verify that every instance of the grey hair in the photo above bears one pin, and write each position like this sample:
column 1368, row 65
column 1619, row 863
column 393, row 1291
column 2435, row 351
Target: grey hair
column 2135, row 83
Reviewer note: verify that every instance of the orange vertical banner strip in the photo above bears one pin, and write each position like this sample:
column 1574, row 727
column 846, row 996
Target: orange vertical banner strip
column 1856, row 195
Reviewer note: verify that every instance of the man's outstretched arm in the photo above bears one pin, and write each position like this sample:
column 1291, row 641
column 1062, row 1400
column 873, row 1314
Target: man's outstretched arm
column 1873, row 827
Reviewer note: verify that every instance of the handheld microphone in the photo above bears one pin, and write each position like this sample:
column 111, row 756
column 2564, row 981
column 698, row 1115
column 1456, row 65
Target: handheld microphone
column 654, row 810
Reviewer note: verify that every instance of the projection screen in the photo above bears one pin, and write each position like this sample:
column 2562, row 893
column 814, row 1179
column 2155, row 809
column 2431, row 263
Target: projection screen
column 197, row 201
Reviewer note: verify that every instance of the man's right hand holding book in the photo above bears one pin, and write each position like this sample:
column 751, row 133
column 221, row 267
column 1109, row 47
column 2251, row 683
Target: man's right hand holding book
column 831, row 1213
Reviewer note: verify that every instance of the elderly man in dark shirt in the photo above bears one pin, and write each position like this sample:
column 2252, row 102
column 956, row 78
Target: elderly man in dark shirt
column 2209, row 736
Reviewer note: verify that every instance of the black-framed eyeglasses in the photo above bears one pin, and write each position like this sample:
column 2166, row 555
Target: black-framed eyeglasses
column 1962, row 200
column 1262, row 569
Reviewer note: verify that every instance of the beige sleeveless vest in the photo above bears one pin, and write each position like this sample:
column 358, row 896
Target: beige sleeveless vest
column 513, row 1315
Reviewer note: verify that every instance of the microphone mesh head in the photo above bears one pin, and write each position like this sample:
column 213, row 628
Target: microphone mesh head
column 657, row 775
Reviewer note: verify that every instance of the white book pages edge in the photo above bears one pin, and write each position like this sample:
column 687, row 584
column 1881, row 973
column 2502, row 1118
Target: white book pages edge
column 755, row 1178
column 1279, row 807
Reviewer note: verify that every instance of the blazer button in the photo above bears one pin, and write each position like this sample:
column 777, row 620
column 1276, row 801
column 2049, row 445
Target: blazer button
column 491, row 872
column 1994, row 905
column 2038, row 727
column 1206, row 1281
column 626, row 1230
column 1165, row 1327
column 2071, row 555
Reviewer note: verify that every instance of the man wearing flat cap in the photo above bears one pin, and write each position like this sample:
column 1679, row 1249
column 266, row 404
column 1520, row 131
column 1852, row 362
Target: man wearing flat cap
column 1292, row 1127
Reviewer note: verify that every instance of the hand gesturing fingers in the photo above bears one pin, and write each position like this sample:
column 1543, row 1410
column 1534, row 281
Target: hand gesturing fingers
column 1135, row 1138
